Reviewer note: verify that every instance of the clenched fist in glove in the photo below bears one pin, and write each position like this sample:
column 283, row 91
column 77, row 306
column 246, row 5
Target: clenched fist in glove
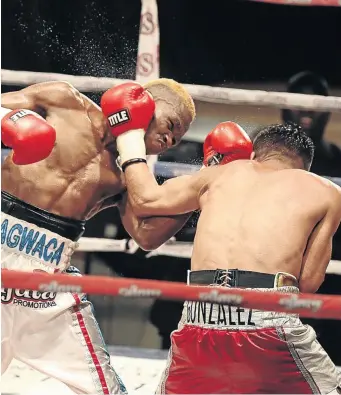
column 129, row 108
column 225, row 143
column 28, row 134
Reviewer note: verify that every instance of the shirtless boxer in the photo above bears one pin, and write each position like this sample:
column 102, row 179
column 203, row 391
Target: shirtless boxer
column 45, row 206
column 267, row 224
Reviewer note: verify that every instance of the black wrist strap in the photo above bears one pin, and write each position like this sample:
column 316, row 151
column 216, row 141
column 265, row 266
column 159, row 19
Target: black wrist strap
column 131, row 162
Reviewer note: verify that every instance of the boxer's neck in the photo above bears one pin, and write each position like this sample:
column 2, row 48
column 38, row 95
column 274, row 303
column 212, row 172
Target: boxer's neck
column 279, row 164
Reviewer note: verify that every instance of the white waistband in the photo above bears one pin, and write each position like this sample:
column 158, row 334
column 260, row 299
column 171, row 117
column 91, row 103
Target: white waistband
column 211, row 315
column 39, row 244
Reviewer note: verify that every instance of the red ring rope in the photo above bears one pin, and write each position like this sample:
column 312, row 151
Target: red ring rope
column 307, row 305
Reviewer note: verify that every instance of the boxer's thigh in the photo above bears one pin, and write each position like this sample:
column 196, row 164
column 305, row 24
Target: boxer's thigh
column 7, row 313
column 310, row 357
column 64, row 342
column 8, row 260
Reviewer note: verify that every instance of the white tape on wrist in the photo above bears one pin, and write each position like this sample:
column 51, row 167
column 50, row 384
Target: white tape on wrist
column 18, row 113
column 130, row 145
column 4, row 111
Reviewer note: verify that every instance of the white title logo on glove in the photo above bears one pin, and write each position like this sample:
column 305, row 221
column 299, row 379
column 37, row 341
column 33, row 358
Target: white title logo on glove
column 20, row 114
column 119, row 117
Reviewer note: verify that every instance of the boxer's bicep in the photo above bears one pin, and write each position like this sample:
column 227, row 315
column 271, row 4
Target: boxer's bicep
column 179, row 195
column 176, row 196
column 17, row 100
column 129, row 220
column 42, row 96
column 149, row 233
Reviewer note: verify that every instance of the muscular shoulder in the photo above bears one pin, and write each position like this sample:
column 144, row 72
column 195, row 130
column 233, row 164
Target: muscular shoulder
column 326, row 188
column 63, row 87
column 321, row 182
column 59, row 94
column 332, row 196
column 63, row 93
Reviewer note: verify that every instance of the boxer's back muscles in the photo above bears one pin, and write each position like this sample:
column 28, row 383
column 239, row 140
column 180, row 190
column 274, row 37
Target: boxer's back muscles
column 80, row 176
column 258, row 219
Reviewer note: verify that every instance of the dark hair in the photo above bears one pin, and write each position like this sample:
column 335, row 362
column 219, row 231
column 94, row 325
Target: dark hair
column 285, row 140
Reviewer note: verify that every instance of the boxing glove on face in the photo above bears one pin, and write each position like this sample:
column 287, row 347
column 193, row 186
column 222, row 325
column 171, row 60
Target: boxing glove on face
column 28, row 134
column 129, row 109
column 225, row 143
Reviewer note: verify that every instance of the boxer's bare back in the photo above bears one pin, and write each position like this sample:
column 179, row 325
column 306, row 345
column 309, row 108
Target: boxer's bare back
column 257, row 217
column 81, row 176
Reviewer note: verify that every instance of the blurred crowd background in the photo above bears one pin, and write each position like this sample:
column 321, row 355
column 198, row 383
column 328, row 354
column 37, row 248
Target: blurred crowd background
column 239, row 44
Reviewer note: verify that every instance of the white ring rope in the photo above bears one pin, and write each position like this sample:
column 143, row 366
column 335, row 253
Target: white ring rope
column 199, row 92
column 177, row 249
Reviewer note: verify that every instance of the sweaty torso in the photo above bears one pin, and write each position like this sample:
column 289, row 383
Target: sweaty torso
column 258, row 220
column 80, row 177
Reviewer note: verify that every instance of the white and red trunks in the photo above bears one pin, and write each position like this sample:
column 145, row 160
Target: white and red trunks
column 54, row 333
column 231, row 350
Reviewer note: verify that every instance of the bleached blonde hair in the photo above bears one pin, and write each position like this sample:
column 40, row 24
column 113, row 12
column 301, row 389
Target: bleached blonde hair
column 177, row 88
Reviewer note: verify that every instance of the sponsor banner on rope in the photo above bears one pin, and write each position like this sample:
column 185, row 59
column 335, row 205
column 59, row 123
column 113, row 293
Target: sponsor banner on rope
column 294, row 302
column 54, row 286
column 215, row 296
column 135, row 290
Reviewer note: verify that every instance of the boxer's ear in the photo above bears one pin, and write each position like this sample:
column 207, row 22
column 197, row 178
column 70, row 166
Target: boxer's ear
column 253, row 155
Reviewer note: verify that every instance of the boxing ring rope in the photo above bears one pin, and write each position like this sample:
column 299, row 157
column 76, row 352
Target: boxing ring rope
column 199, row 92
column 307, row 305
column 172, row 248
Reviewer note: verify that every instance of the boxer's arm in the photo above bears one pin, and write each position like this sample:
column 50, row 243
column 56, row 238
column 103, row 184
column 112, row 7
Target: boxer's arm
column 178, row 195
column 150, row 233
column 319, row 249
column 42, row 97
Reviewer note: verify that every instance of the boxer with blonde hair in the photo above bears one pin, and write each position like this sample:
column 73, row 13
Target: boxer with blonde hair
column 63, row 169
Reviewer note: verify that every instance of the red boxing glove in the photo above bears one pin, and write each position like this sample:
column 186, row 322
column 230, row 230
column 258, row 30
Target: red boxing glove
column 28, row 134
column 225, row 143
column 127, row 107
